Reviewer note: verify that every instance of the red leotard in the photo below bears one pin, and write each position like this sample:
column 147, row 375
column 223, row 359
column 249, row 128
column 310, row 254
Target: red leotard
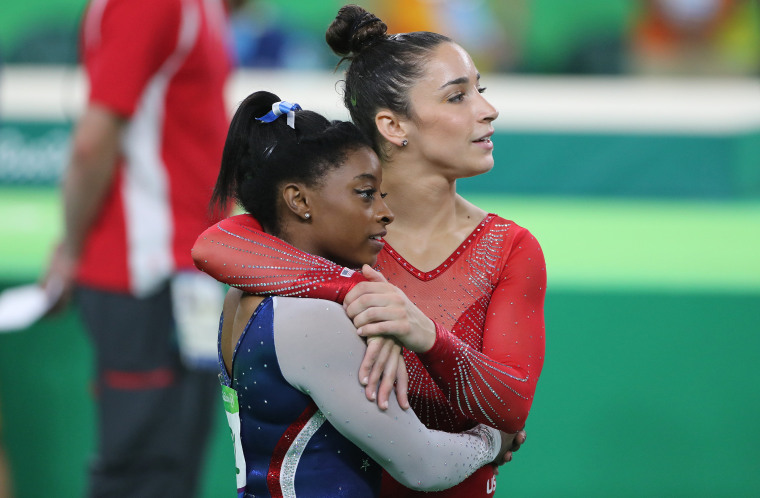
column 486, row 300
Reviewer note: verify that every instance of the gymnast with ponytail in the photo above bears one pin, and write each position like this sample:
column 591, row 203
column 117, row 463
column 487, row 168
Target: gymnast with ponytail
column 300, row 423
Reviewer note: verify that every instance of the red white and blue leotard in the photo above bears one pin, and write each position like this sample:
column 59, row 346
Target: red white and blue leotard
column 275, row 416
column 306, row 428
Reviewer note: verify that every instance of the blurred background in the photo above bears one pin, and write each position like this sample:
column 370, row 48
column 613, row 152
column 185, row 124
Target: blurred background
column 628, row 142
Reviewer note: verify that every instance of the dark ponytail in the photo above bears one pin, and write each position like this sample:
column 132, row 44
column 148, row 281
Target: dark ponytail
column 259, row 157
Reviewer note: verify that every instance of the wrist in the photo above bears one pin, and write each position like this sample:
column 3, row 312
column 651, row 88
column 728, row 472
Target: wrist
column 69, row 250
column 430, row 337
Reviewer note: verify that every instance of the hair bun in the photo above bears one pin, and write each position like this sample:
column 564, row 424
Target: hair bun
column 354, row 29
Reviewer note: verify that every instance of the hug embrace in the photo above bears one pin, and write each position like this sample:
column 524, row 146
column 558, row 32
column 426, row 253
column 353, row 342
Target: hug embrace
column 359, row 275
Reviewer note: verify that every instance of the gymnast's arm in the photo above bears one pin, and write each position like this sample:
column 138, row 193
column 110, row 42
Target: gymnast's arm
column 319, row 353
column 494, row 386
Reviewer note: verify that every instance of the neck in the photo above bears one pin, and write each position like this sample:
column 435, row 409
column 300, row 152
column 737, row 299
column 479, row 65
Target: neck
column 421, row 203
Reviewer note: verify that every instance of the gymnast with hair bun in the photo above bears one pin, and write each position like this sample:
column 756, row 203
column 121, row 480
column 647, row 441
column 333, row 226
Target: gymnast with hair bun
column 460, row 288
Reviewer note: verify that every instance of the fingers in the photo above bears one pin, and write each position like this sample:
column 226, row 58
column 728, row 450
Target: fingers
column 368, row 295
column 393, row 325
column 382, row 348
column 372, row 275
column 402, row 384
column 388, row 377
column 362, row 288
column 519, row 440
column 382, row 371
column 365, row 368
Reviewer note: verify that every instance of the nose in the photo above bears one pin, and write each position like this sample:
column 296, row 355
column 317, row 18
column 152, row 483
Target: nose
column 384, row 215
column 488, row 112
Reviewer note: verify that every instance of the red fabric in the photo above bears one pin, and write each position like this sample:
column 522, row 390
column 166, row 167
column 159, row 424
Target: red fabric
column 481, row 484
column 158, row 378
column 282, row 448
column 235, row 251
column 486, row 299
column 132, row 51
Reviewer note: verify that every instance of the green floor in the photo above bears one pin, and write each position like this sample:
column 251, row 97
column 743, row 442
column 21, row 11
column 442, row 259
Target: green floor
column 649, row 386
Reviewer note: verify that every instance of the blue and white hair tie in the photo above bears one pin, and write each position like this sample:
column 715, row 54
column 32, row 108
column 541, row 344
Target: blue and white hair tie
column 280, row 108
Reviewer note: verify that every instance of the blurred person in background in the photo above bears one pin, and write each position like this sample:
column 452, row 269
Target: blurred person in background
column 472, row 22
column 275, row 34
column 143, row 162
column 697, row 37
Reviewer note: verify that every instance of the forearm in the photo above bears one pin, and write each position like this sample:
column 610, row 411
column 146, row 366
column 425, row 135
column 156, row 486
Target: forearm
column 497, row 393
column 322, row 359
column 95, row 151
column 236, row 252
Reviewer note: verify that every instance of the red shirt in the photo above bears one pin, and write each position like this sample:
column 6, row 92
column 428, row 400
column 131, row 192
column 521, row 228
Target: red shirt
column 162, row 64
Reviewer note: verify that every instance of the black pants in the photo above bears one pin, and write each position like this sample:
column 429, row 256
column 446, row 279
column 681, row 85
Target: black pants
column 154, row 416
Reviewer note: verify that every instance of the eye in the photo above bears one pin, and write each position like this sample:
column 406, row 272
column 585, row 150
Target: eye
column 383, row 195
column 482, row 89
column 368, row 194
column 456, row 98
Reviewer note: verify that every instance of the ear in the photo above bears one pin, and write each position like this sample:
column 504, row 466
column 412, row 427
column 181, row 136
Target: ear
column 296, row 197
column 391, row 126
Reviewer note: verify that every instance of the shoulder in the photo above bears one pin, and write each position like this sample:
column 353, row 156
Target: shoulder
column 516, row 232
column 514, row 244
column 310, row 334
column 308, row 307
column 305, row 322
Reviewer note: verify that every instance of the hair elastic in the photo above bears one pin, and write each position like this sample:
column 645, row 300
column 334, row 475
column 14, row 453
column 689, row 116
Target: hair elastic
column 362, row 21
column 280, row 108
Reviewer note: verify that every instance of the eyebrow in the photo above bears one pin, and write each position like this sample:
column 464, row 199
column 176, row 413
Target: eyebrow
column 458, row 81
column 365, row 176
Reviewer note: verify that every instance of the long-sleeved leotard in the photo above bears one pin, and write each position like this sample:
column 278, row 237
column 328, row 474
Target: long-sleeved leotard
column 305, row 425
column 486, row 300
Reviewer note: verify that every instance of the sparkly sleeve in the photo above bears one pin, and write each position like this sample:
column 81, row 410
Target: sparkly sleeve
column 496, row 386
column 237, row 252
column 322, row 361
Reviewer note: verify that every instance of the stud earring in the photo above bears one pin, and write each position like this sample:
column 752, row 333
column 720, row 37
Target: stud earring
column 307, row 216
column 404, row 143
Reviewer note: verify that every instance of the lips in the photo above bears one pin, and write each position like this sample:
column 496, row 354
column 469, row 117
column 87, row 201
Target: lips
column 378, row 236
column 485, row 138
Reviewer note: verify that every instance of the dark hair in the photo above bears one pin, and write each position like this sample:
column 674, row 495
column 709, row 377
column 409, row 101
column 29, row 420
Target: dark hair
column 259, row 157
column 382, row 67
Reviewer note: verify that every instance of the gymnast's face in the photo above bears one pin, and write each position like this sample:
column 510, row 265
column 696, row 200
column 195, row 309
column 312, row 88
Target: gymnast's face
column 347, row 212
column 451, row 122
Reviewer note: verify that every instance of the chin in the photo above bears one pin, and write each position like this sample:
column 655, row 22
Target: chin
column 477, row 170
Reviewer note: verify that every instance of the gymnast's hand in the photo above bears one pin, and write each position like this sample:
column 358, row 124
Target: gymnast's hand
column 510, row 443
column 383, row 363
column 379, row 308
